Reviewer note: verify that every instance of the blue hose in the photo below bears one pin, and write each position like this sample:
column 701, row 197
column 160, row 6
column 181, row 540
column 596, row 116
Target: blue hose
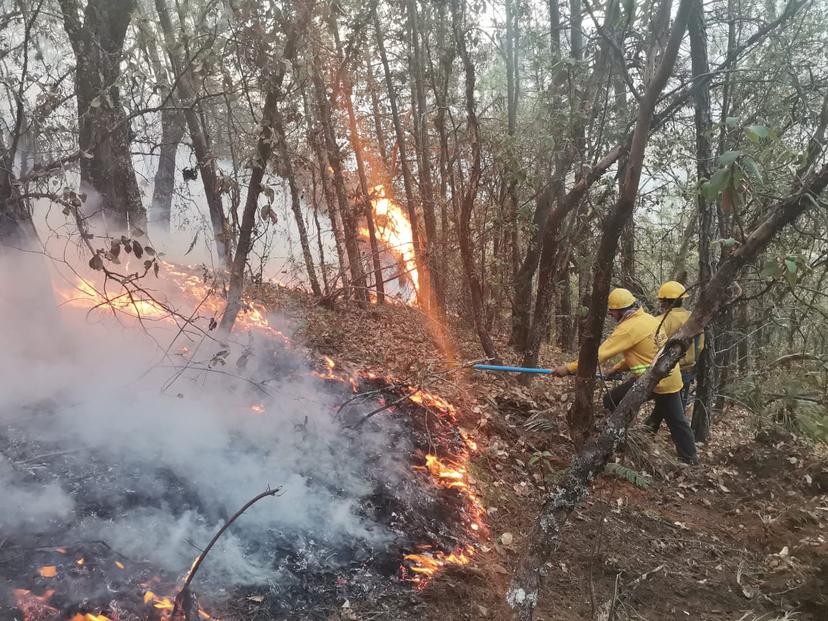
column 505, row 369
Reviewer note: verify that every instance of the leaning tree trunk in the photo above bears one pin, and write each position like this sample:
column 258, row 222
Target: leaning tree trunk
column 544, row 538
column 268, row 135
column 580, row 415
column 107, row 175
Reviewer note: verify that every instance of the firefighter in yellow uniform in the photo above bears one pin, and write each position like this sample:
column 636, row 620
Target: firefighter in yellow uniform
column 671, row 296
column 637, row 339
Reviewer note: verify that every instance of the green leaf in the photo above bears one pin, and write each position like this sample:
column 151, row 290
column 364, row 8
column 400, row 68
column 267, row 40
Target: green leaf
column 731, row 121
column 717, row 183
column 728, row 243
column 752, row 168
column 728, row 157
column 755, row 133
column 769, row 270
column 791, row 265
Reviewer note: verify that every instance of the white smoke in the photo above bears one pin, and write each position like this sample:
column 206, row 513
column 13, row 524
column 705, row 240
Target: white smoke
column 95, row 449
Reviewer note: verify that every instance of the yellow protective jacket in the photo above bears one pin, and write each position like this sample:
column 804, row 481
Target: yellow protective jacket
column 635, row 339
column 674, row 320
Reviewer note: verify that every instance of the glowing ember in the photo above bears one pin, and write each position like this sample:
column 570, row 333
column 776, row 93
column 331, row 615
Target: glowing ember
column 89, row 617
column 119, row 564
column 48, row 571
column 257, row 408
column 394, row 230
column 34, row 606
column 80, row 562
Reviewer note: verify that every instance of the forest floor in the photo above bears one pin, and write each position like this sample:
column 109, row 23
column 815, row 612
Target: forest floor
column 742, row 536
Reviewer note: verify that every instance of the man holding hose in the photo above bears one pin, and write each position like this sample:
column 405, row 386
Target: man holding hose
column 637, row 339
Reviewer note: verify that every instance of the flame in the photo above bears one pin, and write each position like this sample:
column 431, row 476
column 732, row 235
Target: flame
column 48, row 571
column 80, row 562
column 448, row 475
column 88, row 616
column 162, row 603
column 394, row 230
column 426, row 565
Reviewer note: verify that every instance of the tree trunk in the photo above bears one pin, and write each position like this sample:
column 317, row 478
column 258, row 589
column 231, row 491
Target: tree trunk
column 423, row 147
column 580, row 415
column 206, row 160
column 356, row 146
column 408, row 181
column 334, row 160
column 327, row 191
column 268, row 135
column 467, row 205
column 107, row 175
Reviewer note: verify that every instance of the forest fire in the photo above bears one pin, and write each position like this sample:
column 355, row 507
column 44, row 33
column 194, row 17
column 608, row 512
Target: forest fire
column 437, row 488
column 393, row 229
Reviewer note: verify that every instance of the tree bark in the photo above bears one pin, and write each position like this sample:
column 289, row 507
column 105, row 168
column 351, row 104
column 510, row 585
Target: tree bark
column 358, row 281
column 408, row 180
column 545, row 536
column 198, row 136
column 356, row 146
column 470, row 193
column 705, row 387
column 268, row 135
column 423, row 147
column 580, row 415
column 311, row 114
column 107, row 175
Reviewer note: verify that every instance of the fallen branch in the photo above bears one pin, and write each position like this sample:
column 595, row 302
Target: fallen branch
column 183, row 601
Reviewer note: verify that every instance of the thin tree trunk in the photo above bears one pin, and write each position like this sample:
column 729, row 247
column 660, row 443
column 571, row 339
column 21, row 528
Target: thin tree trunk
column 423, row 148
column 580, row 415
column 295, row 202
column 268, row 135
column 327, row 191
column 408, row 181
column 205, row 159
column 356, row 146
column 334, row 160
column 382, row 143
column 705, row 377
column 467, row 205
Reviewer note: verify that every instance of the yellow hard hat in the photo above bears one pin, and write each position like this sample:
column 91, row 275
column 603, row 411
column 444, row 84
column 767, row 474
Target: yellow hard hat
column 620, row 298
column 672, row 290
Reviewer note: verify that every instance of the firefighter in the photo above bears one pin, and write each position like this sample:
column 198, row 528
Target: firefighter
column 671, row 296
column 637, row 339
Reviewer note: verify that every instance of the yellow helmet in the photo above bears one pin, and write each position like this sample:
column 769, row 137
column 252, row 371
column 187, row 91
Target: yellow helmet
column 672, row 290
column 620, row 298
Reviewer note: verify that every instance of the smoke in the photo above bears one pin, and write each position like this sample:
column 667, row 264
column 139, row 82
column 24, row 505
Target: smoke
column 98, row 445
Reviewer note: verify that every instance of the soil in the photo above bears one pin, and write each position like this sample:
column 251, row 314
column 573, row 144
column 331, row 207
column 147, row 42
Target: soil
column 741, row 536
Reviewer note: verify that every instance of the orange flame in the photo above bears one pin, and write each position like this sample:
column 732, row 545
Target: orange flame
column 48, row 571
column 88, row 616
column 426, row 565
column 447, row 475
column 394, row 230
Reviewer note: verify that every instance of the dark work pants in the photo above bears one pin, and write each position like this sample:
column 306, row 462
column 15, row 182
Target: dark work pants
column 667, row 407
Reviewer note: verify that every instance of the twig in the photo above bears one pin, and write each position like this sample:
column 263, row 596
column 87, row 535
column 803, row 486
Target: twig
column 182, row 600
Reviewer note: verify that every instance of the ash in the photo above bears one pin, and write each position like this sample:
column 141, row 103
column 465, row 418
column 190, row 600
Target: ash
column 120, row 457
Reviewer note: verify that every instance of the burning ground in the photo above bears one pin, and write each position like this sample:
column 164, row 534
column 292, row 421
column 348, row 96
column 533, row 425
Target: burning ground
column 126, row 446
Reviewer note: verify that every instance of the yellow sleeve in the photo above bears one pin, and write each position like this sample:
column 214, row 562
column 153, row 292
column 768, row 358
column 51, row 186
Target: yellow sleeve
column 617, row 343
